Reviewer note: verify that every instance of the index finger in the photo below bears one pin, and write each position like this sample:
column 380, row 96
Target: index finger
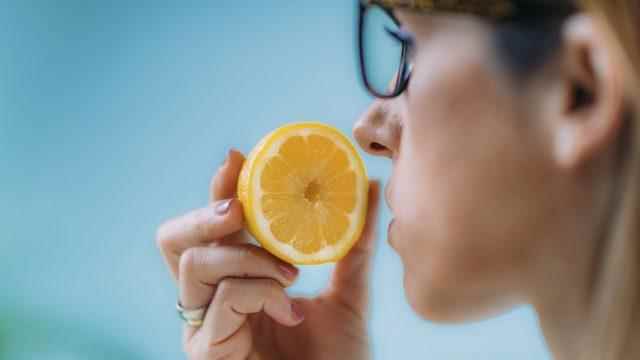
column 199, row 227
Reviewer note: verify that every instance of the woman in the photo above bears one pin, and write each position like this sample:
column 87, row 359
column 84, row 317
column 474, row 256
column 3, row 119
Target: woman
column 511, row 129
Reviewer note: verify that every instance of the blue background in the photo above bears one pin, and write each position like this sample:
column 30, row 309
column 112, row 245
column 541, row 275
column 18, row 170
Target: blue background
column 113, row 117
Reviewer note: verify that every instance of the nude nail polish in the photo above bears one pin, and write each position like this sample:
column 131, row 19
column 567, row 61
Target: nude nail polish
column 298, row 315
column 223, row 207
column 289, row 271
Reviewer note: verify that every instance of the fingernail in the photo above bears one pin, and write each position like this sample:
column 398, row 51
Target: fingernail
column 223, row 207
column 289, row 271
column 297, row 312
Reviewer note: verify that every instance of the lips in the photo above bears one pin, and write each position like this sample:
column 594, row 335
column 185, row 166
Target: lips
column 390, row 233
column 390, row 226
column 387, row 196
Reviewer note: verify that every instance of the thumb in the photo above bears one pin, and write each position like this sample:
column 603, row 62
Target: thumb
column 350, row 279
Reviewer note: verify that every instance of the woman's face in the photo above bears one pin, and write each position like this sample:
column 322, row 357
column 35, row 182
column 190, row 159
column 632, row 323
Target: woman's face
column 470, row 190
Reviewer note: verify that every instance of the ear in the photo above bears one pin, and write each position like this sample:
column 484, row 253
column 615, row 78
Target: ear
column 594, row 102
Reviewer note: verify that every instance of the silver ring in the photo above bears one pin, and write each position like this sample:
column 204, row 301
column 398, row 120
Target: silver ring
column 193, row 317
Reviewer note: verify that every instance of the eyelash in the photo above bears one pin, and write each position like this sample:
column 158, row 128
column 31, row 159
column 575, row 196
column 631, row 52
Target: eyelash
column 403, row 37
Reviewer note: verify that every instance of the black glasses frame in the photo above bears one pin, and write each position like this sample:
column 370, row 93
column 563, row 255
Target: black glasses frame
column 404, row 72
column 497, row 10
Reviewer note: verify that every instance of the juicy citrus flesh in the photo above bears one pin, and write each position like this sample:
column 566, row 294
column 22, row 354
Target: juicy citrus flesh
column 304, row 193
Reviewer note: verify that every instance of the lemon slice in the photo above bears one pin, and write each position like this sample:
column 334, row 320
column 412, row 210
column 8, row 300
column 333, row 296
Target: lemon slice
column 304, row 193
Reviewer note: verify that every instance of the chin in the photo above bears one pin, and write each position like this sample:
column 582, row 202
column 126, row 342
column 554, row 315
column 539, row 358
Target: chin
column 437, row 305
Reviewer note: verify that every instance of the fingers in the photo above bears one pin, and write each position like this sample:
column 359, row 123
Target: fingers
column 238, row 347
column 351, row 274
column 213, row 223
column 224, row 186
column 198, row 228
column 241, row 279
column 225, row 331
column 224, row 182
column 201, row 268
column 237, row 298
column 366, row 243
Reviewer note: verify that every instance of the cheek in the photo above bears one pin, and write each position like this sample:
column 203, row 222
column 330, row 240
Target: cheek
column 462, row 255
column 449, row 148
column 463, row 182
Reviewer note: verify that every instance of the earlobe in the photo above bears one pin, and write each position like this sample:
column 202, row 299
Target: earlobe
column 593, row 112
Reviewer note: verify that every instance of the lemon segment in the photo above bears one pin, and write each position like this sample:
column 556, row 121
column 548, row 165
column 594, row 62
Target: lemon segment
column 304, row 193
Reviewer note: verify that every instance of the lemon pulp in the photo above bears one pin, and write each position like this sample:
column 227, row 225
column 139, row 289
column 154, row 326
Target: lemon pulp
column 304, row 193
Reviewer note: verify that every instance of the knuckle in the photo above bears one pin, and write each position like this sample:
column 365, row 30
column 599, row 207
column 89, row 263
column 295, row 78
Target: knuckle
column 227, row 288
column 162, row 240
column 189, row 261
column 273, row 289
column 204, row 222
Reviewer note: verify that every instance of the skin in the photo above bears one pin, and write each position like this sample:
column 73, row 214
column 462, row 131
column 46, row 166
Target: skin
column 249, row 314
column 499, row 191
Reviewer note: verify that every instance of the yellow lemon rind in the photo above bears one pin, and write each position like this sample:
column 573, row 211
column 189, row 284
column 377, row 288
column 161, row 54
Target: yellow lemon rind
column 246, row 193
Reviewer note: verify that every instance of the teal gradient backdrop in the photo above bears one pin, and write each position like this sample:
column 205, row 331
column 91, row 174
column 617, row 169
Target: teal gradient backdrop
column 113, row 117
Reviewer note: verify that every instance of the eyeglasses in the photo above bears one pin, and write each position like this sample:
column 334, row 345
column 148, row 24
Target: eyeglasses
column 385, row 49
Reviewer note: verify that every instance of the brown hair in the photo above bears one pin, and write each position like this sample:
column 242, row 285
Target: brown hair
column 616, row 316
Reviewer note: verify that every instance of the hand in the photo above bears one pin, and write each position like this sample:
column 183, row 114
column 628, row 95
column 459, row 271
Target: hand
column 249, row 313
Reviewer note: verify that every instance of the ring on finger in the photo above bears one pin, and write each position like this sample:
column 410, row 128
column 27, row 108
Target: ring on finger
column 193, row 317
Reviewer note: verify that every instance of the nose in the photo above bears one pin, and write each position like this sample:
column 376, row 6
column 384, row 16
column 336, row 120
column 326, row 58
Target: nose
column 378, row 130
